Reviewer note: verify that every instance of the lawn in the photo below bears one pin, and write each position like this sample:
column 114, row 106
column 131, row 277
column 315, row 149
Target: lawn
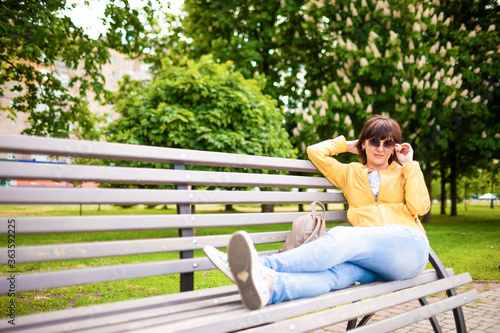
column 467, row 243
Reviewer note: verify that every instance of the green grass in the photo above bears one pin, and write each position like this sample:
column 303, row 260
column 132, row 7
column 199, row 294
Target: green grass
column 467, row 243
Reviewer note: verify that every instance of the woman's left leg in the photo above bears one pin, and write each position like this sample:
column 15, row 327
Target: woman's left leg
column 288, row 286
column 392, row 252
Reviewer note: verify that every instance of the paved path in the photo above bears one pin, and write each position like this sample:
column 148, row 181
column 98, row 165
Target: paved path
column 481, row 316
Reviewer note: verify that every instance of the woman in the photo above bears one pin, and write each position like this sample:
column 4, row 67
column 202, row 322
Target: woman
column 386, row 192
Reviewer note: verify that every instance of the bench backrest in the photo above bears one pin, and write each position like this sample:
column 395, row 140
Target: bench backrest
column 277, row 178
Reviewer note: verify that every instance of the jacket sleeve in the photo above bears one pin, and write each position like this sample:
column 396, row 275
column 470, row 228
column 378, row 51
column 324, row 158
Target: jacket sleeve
column 321, row 154
column 416, row 194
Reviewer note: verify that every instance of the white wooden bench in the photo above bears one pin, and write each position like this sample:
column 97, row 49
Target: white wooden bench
column 210, row 310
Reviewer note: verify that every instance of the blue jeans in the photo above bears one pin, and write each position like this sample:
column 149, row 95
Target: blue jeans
column 345, row 255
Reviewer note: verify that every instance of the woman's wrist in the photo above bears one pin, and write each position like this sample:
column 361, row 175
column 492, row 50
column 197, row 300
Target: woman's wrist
column 352, row 147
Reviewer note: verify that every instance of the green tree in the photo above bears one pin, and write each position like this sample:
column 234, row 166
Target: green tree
column 37, row 40
column 395, row 58
column 201, row 105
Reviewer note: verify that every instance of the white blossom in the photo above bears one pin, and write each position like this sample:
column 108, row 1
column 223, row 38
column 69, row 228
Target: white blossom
column 348, row 22
column 336, row 117
column 369, row 109
column 435, row 85
column 295, row 132
column 483, row 135
column 353, row 9
column 368, row 90
column 464, row 93
column 434, row 20
column 372, row 36
column 472, row 33
column 491, row 27
column 347, row 120
column 363, row 62
column 406, row 86
column 351, row 133
column 400, row 65
column 350, row 98
column 454, row 104
column 476, row 99
column 429, row 105
column 477, row 70
column 413, row 108
column 417, row 27
column 382, row 89
column 357, row 98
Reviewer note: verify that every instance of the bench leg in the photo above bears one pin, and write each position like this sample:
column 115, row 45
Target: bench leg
column 352, row 324
column 187, row 279
column 433, row 320
column 458, row 314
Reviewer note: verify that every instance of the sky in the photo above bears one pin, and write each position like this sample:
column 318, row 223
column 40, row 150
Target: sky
column 88, row 17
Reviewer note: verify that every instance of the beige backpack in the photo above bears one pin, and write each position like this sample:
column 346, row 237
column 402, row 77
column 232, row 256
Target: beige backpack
column 306, row 228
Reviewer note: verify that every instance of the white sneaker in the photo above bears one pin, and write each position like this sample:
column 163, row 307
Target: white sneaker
column 250, row 274
column 219, row 259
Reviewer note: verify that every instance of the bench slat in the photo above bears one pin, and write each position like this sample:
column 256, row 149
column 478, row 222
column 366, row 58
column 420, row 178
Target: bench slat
column 85, row 315
column 94, row 196
column 120, row 175
column 127, row 152
column 130, row 311
column 424, row 312
column 246, row 319
column 42, row 253
column 217, row 323
column 67, row 224
column 72, row 277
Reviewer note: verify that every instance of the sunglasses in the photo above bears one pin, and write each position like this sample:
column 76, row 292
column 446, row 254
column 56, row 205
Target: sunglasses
column 375, row 143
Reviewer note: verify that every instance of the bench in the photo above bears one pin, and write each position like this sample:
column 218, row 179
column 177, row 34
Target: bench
column 216, row 309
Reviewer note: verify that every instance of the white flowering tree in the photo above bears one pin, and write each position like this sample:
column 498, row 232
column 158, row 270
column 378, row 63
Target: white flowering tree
column 409, row 60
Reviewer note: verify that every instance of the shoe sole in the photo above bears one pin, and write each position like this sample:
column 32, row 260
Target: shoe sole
column 211, row 252
column 241, row 264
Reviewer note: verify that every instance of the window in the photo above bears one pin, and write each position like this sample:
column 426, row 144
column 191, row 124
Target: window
column 111, row 74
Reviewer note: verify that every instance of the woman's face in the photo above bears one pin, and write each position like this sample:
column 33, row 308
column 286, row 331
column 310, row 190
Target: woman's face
column 378, row 153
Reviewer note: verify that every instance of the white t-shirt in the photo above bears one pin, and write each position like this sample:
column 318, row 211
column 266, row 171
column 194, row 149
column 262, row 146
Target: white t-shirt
column 374, row 179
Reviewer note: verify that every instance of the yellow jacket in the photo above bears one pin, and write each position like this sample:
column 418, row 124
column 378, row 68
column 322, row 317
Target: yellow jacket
column 401, row 198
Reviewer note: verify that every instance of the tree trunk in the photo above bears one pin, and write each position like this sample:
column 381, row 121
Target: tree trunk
column 267, row 208
column 229, row 208
column 453, row 181
column 428, row 181
column 443, row 190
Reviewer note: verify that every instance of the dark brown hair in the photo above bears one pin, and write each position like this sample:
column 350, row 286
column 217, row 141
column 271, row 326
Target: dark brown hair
column 382, row 128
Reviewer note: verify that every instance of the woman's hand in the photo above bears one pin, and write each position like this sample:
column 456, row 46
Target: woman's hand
column 352, row 147
column 404, row 152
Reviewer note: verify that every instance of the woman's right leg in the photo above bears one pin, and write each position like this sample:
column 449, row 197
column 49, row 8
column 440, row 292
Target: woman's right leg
column 288, row 286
